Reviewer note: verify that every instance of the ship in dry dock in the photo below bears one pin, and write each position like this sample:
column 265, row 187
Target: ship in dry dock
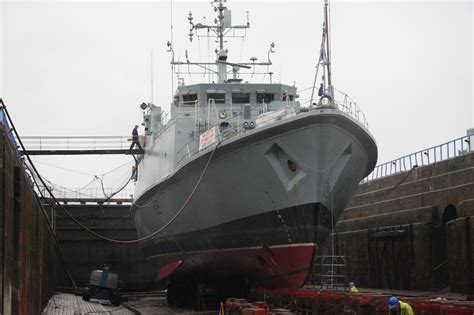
column 280, row 174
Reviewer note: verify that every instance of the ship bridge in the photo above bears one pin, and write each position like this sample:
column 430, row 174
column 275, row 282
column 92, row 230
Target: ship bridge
column 233, row 94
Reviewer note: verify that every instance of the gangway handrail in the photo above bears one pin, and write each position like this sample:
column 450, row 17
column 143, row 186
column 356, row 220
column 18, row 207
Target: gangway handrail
column 82, row 137
column 65, row 193
column 107, row 144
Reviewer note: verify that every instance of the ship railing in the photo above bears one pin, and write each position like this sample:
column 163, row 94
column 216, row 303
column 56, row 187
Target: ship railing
column 212, row 119
column 354, row 111
column 234, row 119
column 183, row 109
column 165, row 117
column 444, row 151
column 346, row 104
column 238, row 118
column 187, row 151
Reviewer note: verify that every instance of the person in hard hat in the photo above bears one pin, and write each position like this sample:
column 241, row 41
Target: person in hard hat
column 398, row 307
column 352, row 287
column 135, row 139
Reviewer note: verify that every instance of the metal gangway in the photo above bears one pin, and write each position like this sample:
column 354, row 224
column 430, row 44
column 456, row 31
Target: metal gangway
column 92, row 195
column 78, row 145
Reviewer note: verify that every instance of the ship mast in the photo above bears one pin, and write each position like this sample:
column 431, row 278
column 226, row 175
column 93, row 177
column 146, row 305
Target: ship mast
column 330, row 88
column 325, row 62
column 222, row 28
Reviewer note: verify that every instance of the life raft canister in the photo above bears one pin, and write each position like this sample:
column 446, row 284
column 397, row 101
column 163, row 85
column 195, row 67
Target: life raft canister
column 222, row 113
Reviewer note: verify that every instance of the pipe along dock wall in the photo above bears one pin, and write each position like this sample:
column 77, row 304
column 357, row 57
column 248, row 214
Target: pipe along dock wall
column 27, row 250
column 411, row 231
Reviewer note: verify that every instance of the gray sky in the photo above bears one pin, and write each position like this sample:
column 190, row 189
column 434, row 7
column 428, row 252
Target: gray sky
column 82, row 68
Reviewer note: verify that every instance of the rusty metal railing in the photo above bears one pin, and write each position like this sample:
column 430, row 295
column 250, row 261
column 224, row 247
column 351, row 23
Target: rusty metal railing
column 444, row 151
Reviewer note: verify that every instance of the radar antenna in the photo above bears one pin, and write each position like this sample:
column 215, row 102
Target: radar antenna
column 223, row 28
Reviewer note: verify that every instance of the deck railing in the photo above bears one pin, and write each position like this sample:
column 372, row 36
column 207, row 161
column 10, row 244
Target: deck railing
column 344, row 103
column 444, row 151
column 348, row 106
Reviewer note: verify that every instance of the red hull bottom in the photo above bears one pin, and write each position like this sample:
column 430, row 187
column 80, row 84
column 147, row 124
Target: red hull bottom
column 286, row 266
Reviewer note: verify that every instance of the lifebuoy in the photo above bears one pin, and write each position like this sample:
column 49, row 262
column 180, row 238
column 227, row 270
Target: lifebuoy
column 326, row 101
column 222, row 113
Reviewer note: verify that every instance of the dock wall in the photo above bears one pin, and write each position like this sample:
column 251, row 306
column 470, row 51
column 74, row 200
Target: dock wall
column 411, row 231
column 84, row 252
column 27, row 253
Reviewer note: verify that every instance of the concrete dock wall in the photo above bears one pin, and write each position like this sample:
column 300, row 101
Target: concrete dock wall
column 85, row 252
column 27, row 253
column 460, row 251
column 411, row 231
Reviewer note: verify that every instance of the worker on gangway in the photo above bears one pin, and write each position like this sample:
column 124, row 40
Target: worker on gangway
column 135, row 139
column 399, row 307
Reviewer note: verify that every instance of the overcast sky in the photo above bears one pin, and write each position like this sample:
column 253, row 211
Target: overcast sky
column 83, row 68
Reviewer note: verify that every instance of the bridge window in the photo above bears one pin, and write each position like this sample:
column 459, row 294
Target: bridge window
column 265, row 97
column 288, row 97
column 189, row 98
column 219, row 98
column 247, row 114
column 240, row 98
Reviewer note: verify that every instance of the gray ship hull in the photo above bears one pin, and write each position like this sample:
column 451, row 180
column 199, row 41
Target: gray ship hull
column 279, row 187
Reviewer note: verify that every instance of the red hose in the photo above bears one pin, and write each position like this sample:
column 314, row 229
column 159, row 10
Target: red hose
column 105, row 238
column 144, row 238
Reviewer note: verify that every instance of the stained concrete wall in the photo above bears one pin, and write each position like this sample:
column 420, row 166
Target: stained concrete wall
column 85, row 252
column 412, row 230
column 27, row 252
column 460, row 251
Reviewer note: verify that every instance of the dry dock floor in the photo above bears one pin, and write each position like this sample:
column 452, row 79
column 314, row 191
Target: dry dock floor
column 70, row 304
column 158, row 305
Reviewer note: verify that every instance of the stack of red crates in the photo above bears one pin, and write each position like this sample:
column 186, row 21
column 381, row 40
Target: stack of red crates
column 235, row 306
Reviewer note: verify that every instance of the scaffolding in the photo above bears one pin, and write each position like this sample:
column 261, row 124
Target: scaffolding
column 329, row 272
